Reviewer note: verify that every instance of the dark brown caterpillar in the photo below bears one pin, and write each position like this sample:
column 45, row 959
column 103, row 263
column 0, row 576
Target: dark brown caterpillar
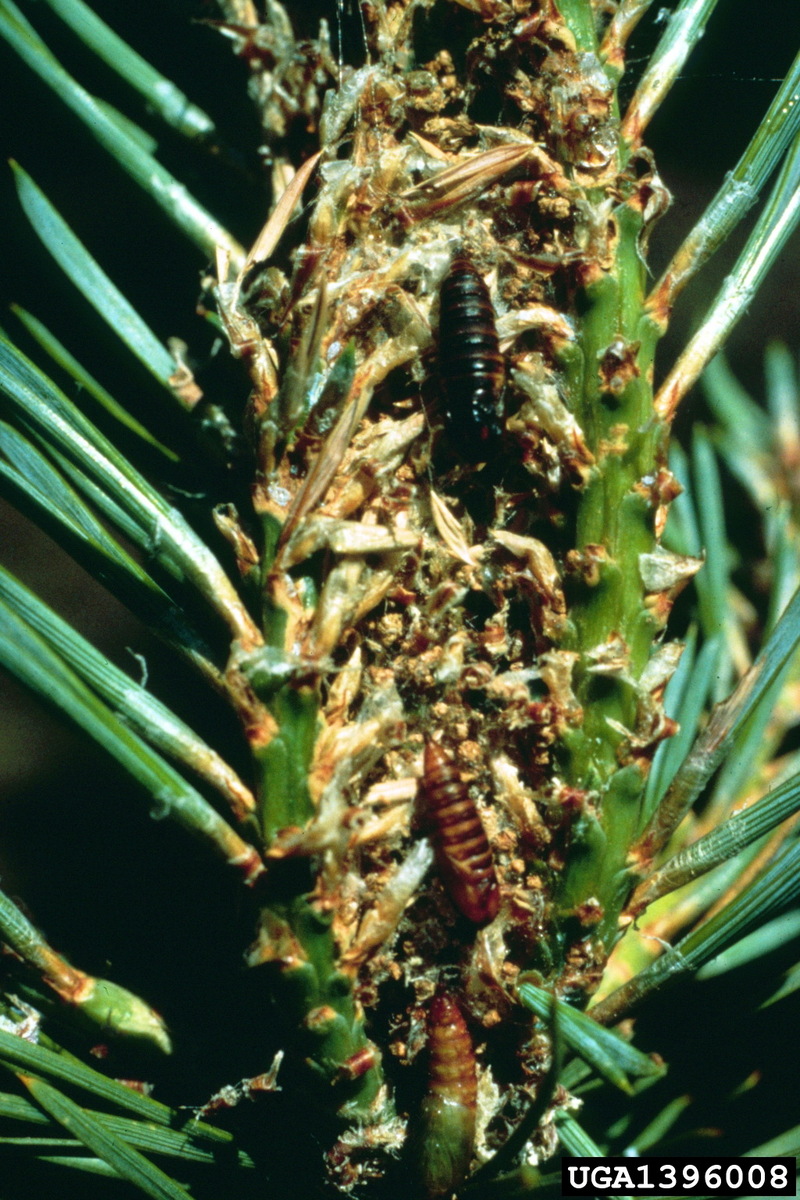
column 470, row 363
column 463, row 855
column 447, row 1131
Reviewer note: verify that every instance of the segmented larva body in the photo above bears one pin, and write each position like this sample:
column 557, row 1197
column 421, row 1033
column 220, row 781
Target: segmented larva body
column 463, row 855
column 451, row 1064
column 471, row 366
column 446, row 1136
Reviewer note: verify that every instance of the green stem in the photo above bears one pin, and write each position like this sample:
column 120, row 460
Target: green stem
column 580, row 20
column 611, row 627
column 314, row 998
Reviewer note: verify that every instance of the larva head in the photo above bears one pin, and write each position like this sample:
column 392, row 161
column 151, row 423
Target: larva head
column 434, row 759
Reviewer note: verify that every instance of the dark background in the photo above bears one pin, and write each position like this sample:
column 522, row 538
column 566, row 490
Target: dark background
column 120, row 894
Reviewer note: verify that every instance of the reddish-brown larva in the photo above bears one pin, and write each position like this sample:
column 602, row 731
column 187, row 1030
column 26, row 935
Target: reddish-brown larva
column 446, row 1133
column 451, row 1062
column 463, row 855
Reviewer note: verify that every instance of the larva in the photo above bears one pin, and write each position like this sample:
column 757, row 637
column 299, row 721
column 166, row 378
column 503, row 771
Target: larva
column 462, row 852
column 471, row 367
column 447, row 1132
